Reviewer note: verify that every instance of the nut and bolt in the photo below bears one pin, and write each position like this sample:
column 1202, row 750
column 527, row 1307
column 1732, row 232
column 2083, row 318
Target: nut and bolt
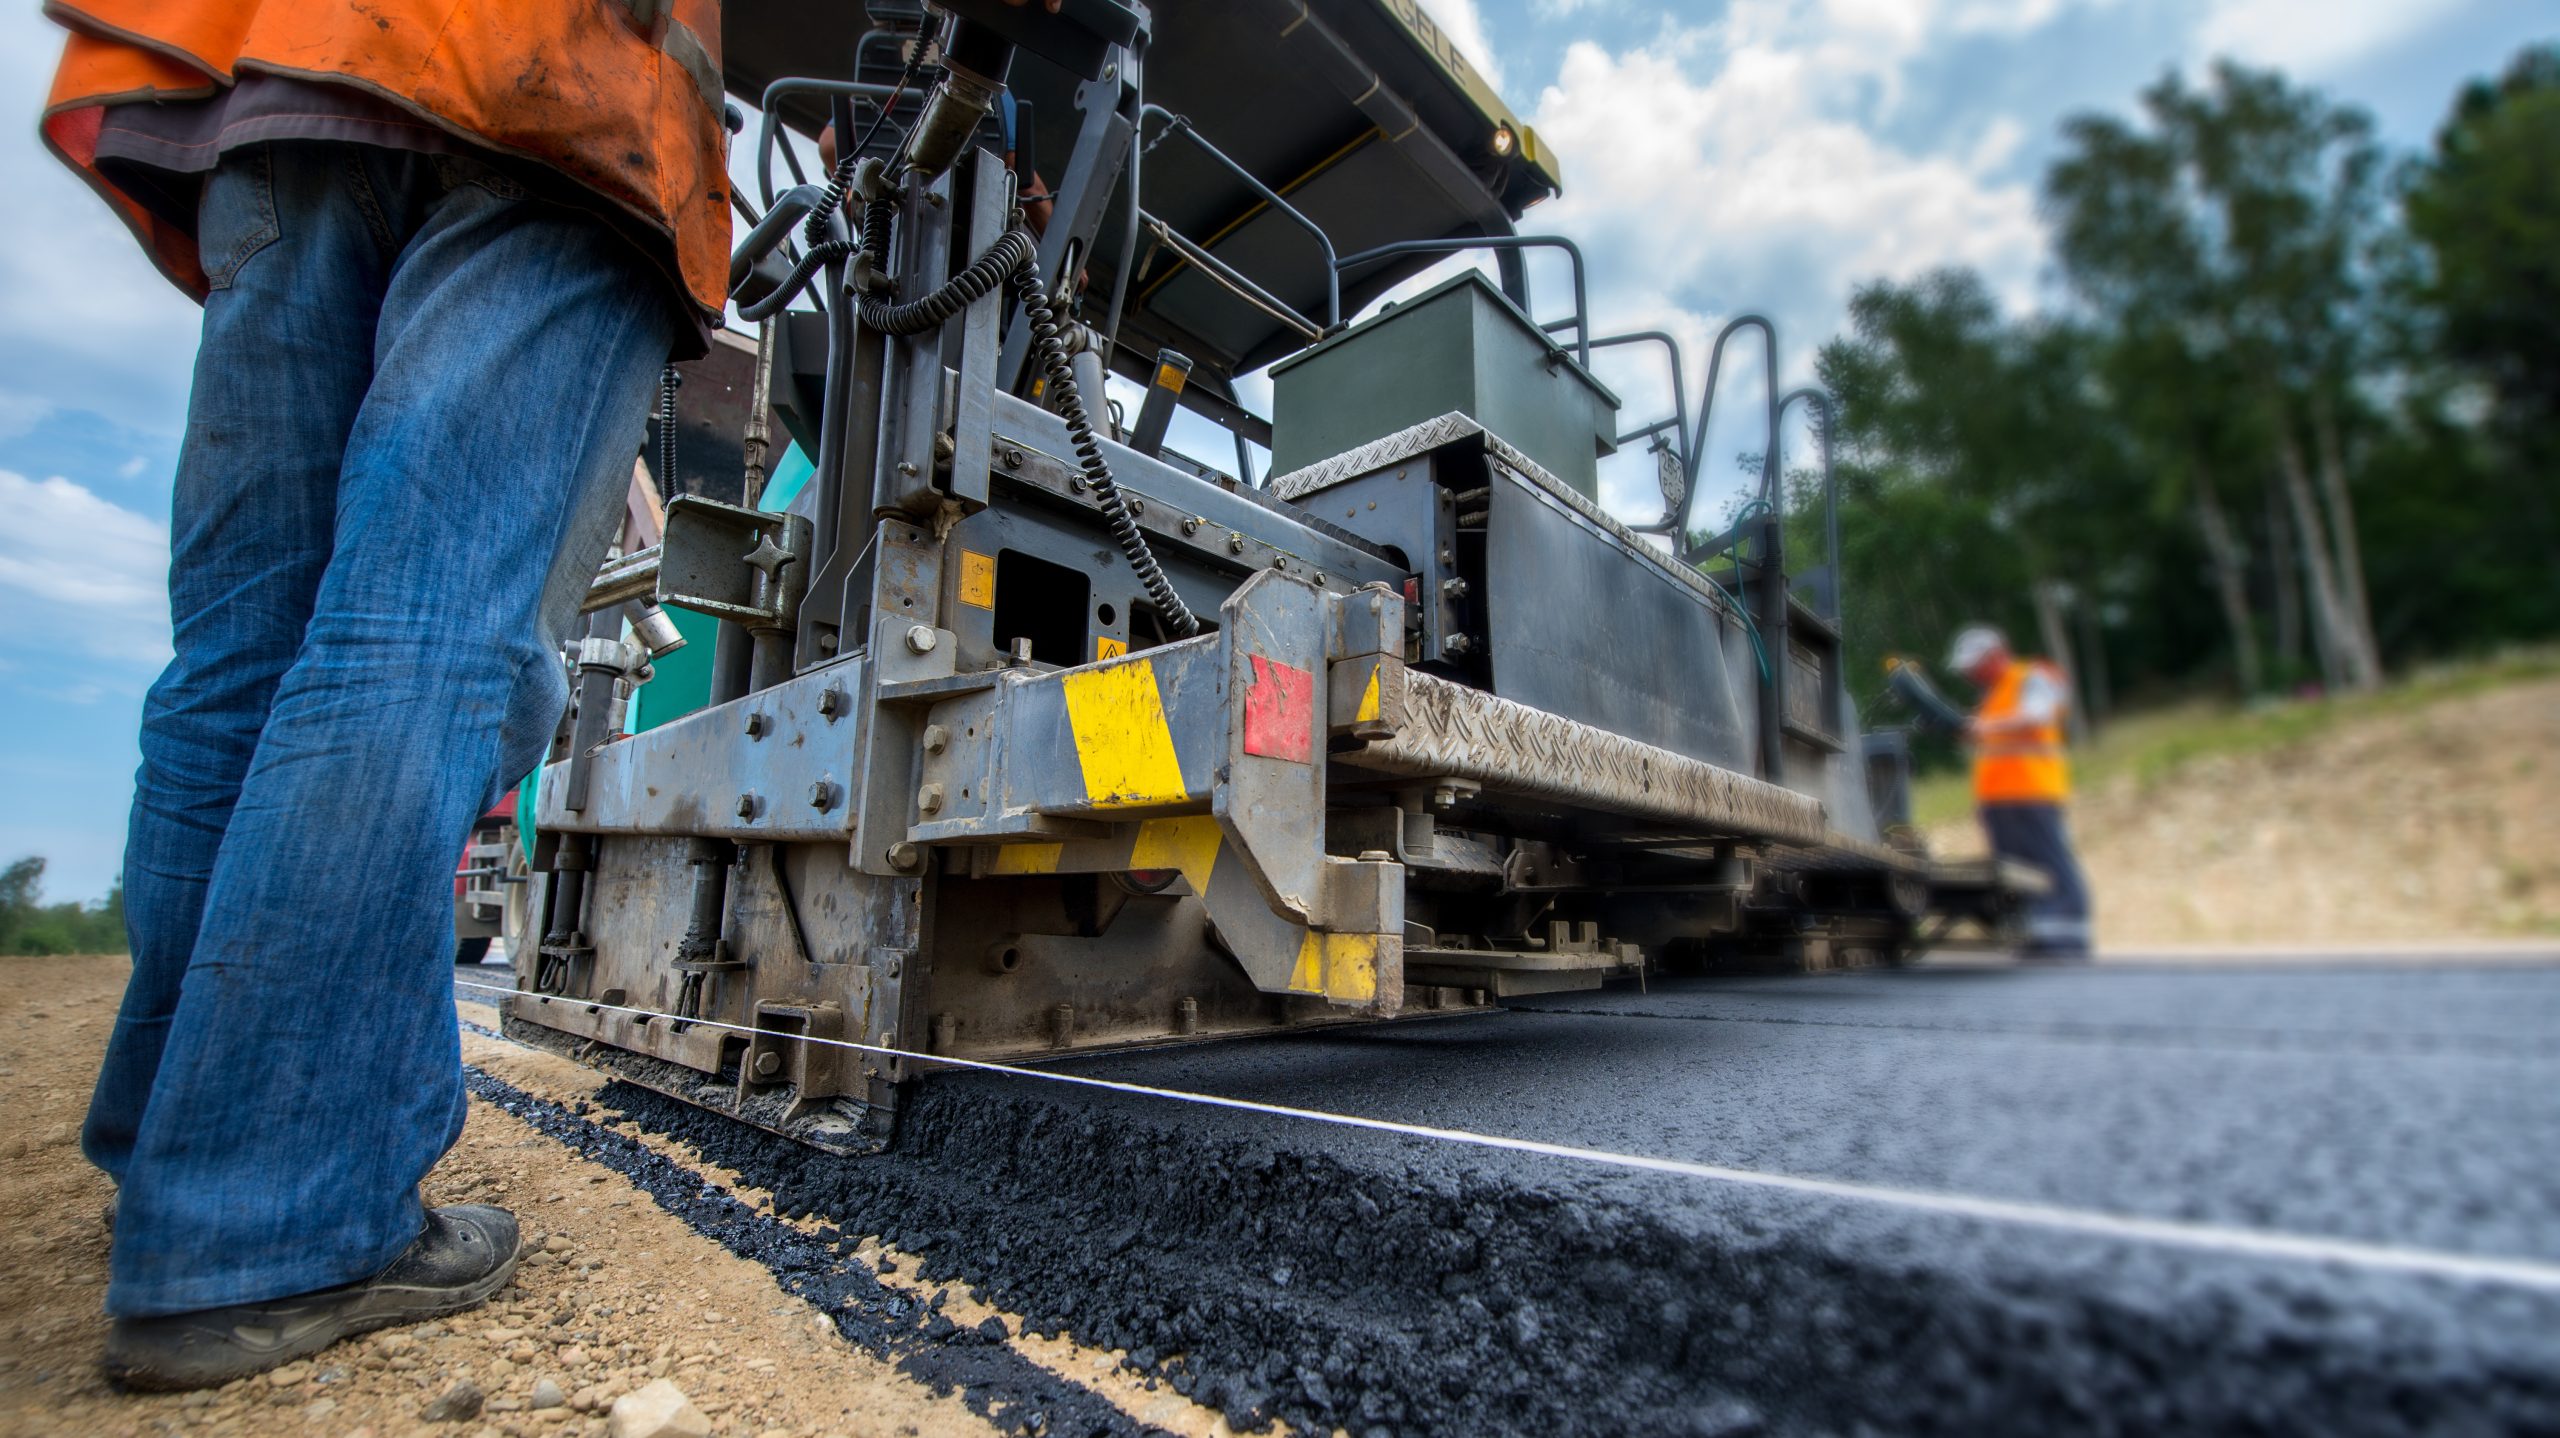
column 1137, row 506
column 1075, row 484
column 937, row 737
column 929, row 799
column 1191, row 526
column 921, row 639
column 831, row 701
column 905, row 857
column 907, row 467
column 1235, row 544
column 1319, row 576
column 755, row 725
column 1454, row 588
column 822, row 795
column 768, row 1064
column 1012, row 457
column 748, row 803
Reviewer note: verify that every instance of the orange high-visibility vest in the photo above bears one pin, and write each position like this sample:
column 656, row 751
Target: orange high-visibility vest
column 2021, row 766
column 622, row 96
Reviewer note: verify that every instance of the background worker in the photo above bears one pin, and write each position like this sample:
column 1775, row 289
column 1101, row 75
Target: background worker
column 2022, row 781
column 442, row 251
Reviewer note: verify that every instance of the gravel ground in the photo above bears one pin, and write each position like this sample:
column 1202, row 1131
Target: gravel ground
column 621, row 1285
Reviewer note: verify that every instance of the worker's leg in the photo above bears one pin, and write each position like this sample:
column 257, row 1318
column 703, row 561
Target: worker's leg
column 2038, row 836
column 311, row 1075
column 286, row 353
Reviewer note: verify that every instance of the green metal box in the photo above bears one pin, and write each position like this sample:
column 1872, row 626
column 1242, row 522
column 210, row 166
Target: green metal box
column 1463, row 346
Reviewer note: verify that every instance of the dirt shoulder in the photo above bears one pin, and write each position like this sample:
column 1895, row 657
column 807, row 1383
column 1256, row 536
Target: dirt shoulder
column 2413, row 822
column 614, row 1292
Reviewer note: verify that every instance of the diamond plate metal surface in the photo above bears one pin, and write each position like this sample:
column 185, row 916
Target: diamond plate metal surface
column 1454, row 731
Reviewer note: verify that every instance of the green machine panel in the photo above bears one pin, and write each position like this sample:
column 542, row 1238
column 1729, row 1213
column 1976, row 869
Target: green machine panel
column 1459, row 346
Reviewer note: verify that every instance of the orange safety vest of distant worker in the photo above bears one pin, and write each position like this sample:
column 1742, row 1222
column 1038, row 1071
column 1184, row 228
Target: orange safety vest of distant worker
column 622, row 96
column 2022, row 763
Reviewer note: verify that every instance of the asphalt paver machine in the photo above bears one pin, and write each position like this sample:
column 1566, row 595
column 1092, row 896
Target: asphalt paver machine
column 1028, row 734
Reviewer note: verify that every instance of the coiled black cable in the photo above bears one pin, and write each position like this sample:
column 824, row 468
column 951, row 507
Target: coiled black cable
column 1043, row 320
column 668, row 382
column 1012, row 251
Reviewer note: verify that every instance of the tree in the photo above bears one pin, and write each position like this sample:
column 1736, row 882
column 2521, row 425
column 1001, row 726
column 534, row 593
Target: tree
column 2225, row 248
column 28, row 925
column 1984, row 475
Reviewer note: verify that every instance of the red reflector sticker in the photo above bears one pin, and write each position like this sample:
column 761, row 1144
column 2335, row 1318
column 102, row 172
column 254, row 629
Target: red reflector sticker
column 1280, row 712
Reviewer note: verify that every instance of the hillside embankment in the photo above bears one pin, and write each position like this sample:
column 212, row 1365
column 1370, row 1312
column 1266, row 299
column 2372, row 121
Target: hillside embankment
column 2425, row 813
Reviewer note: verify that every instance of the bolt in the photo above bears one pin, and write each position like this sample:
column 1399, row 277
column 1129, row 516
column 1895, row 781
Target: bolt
column 1454, row 588
column 1235, row 544
column 755, row 725
column 827, row 641
column 768, row 1064
column 907, row 467
column 905, row 857
column 831, row 701
column 1191, row 526
column 933, row 199
column 921, row 639
column 1319, row 576
column 1137, row 506
column 1448, row 557
column 1075, row 484
column 747, row 804
column 937, row 737
column 1012, row 457
column 1186, row 1017
column 822, row 795
column 929, row 799
column 1280, row 562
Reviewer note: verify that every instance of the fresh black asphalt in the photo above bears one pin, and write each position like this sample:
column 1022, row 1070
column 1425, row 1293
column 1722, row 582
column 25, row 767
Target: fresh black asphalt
column 1376, row 1283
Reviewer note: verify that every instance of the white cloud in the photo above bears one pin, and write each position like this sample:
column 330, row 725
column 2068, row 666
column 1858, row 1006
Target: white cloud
column 1463, row 23
column 85, row 321
column 2312, row 35
column 1711, row 173
column 90, row 570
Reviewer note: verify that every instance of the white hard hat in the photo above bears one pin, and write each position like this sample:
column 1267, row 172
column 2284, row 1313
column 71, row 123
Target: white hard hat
column 1974, row 643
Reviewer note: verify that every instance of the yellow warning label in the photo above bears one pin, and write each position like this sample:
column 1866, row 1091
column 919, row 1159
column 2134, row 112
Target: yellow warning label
column 1369, row 698
column 977, row 579
column 1106, row 647
column 1167, row 377
column 1122, row 741
column 1342, row 967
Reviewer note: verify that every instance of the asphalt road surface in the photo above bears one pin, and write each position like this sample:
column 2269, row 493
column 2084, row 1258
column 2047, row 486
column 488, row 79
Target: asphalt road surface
column 1343, row 1278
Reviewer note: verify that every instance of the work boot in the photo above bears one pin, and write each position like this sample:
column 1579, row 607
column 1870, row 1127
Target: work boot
column 467, row 1253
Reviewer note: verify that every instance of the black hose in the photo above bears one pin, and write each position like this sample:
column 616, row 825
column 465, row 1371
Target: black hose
column 1106, row 491
column 1014, row 259
column 1012, row 251
column 668, row 381
column 822, row 253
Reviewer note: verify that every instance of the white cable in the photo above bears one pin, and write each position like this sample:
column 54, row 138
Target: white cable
column 2205, row 1237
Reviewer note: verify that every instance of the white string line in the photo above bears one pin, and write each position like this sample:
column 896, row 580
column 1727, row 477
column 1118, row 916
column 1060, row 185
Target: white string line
column 2178, row 1233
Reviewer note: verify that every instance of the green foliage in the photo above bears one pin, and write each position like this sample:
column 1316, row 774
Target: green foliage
column 2244, row 295
column 28, row 925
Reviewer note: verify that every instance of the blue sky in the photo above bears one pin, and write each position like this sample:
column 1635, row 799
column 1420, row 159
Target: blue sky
column 1755, row 154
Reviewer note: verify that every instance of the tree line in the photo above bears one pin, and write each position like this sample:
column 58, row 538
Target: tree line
column 28, row 925
column 2297, row 422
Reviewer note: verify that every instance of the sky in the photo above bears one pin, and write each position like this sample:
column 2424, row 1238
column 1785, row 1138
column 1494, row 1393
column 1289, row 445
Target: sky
column 1719, row 156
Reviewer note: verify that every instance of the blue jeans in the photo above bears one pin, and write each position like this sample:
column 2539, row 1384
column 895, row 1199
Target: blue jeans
column 417, row 401
column 2039, row 836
